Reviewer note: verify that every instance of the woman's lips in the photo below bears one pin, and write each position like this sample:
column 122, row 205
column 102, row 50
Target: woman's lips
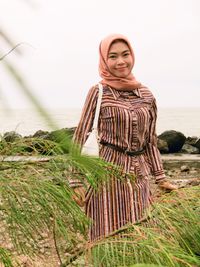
column 121, row 69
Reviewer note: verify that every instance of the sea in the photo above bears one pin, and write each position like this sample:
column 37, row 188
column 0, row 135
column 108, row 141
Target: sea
column 27, row 121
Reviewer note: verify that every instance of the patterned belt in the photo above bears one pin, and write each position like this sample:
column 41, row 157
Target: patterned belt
column 124, row 150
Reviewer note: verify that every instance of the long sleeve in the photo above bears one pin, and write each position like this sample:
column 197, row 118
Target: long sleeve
column 152, row 151
column 83, row 129
column 87, row 117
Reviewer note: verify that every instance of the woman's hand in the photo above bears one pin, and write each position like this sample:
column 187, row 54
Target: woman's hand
column 166, row 185
column 79, row 195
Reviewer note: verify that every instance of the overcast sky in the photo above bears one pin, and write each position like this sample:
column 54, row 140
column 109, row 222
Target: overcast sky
column 61, row 63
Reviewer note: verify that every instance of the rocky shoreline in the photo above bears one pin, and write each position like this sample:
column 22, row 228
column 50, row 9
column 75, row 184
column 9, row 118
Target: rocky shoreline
column 174, row 141
column 168, row 142
column 180, row 154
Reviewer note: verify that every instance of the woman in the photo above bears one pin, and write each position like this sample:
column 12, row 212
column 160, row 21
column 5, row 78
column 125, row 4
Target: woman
column 126, row 128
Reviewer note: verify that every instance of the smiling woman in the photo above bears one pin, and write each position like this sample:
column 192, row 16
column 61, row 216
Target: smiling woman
column 120, row 59
column 126, row 129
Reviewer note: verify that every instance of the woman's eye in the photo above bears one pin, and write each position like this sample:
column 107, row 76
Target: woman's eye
column 126, row 54
column 112, row 56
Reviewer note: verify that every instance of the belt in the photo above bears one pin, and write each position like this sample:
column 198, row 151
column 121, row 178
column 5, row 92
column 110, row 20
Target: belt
column 124, row 150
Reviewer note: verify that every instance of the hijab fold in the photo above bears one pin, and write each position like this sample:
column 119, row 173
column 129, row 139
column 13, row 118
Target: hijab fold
column 128, row 83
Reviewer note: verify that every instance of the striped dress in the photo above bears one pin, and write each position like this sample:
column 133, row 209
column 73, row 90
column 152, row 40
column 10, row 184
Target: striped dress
column 127, row 119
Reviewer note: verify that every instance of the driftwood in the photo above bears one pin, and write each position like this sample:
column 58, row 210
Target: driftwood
column 165, row 157
column 24, row 158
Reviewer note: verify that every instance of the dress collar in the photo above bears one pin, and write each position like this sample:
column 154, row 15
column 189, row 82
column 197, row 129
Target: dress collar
column 117, row 93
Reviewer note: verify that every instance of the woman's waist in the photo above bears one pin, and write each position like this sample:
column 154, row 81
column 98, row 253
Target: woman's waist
column 125, row 150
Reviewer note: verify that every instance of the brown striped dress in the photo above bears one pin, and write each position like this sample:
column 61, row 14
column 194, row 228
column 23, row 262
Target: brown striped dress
column 127, row 119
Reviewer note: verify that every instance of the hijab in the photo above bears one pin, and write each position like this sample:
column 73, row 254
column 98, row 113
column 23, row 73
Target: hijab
column 128, row 83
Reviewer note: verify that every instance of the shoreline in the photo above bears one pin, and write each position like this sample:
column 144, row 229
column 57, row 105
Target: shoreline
column 171, row 157
column 184, row 157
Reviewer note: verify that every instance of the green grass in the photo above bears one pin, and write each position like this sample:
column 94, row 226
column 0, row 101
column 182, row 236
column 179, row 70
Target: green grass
column 35, row 197
column 170, row 238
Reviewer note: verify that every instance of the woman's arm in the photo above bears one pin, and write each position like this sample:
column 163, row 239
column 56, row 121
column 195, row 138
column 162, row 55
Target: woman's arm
column 87, row 117
column 154, row 154
column 152, row 151
column 82, row 131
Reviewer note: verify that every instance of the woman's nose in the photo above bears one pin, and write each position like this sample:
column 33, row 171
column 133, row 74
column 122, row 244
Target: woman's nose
column 120, row 60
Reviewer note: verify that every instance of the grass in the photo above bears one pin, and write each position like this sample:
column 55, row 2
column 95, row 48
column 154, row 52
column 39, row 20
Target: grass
column 33, row 198
column 36, row 198
column 170, row 238
column 53, row 143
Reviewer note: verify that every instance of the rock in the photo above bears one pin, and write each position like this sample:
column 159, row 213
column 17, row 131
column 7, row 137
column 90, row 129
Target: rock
column 40, row 134
column 191, row 140
column 189, row 149
column 11, row 137
column 170, row 173
column 175, row 140
column 197, row 144
column 42, row 250
column 59, row 135
column 71, row 130
column 194, row 182
column 184, row 168
column 162, row 146
column 187, row 182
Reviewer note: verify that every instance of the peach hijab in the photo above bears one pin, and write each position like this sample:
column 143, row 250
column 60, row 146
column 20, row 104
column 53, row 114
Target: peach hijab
column 128, row 83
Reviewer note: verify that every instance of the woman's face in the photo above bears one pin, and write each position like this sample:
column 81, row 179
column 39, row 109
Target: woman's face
column 120, row 60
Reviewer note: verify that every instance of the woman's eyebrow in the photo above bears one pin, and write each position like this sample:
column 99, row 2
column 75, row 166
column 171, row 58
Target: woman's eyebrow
column 127, row 50
column 114, row 53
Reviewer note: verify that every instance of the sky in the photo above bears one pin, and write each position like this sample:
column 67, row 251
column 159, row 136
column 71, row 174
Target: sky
column 60, row 52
